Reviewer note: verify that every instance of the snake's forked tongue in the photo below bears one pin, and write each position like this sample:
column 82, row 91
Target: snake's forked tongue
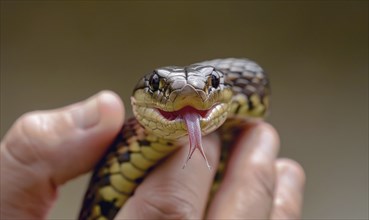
column 192, row 120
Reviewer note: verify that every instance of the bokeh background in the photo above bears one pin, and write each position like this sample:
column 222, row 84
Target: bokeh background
column 54, row 53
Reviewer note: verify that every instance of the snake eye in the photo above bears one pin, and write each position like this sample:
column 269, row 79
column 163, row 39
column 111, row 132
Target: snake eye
column 154, row 82
column 215, row 80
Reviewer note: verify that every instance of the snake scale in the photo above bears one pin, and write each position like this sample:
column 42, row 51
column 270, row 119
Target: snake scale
column 170, row 103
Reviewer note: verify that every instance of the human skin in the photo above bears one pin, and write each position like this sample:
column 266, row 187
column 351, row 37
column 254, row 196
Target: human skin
column 45, row 149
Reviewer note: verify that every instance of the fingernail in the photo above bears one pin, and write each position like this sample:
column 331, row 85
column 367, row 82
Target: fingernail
column 87, row 114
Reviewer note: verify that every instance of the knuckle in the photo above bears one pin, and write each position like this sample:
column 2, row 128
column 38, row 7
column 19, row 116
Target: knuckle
column 20, row 142
column 167, row 203
column 30, row 122
column 32, row 137
column 27, row 127
column 40, row 128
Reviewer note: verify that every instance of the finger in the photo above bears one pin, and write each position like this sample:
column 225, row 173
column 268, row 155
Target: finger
column 248, row 185
column 170, row 192
column 46, row 148
column 289, row 190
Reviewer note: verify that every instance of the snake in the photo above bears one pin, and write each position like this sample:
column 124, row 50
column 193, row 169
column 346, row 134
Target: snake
column 170, row 104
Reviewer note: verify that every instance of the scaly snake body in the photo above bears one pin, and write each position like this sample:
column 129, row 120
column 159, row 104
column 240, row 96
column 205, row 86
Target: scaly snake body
column 169, row 103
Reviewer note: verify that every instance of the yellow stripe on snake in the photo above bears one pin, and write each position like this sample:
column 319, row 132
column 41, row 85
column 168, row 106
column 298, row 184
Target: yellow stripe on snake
column 170, row 103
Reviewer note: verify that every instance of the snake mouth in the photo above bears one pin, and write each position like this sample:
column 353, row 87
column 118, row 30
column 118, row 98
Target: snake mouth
column 191, row 118
column 171, row 116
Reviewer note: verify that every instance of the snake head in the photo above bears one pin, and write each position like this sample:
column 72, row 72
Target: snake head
column 163, row 97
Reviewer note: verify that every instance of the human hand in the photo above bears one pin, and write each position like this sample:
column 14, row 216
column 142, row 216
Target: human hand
column 43, row 150
column 256, row 184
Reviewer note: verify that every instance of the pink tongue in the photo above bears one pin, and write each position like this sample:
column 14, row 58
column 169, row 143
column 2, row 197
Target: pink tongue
column 192, row 121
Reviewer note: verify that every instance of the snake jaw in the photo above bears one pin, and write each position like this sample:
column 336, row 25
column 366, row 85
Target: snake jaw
column 172, row 115
column 191, row 117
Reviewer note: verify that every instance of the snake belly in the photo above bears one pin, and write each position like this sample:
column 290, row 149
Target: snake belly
column 219, row 93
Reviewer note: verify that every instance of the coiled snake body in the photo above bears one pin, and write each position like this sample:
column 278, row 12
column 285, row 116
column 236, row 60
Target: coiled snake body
column 169, row 103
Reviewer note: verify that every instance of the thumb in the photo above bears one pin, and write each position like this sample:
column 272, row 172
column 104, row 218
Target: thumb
column 44, row 149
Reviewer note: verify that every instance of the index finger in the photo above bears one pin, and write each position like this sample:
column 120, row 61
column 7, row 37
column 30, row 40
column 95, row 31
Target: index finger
column 170, row 192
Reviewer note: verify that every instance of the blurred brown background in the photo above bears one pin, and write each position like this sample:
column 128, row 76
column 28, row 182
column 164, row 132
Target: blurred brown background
column 316, row 53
